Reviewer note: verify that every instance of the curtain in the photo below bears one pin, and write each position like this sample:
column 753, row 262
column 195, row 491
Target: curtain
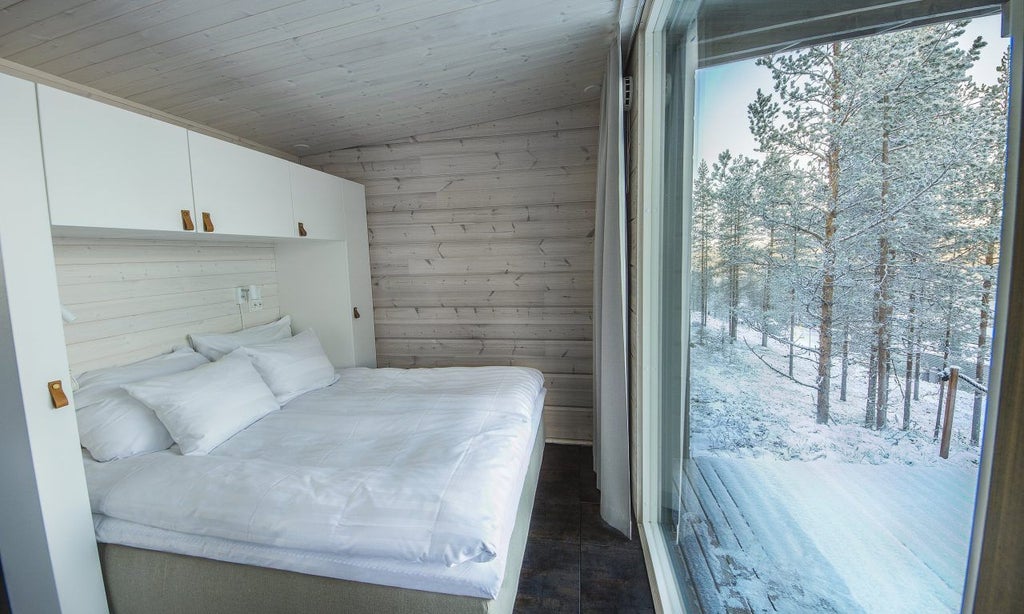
column 611, row 404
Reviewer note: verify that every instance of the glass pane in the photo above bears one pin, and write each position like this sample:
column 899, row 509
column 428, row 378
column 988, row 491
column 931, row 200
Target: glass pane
column 838, row 262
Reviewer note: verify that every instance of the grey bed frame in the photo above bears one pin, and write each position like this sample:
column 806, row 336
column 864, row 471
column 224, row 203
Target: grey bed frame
column 151, row 582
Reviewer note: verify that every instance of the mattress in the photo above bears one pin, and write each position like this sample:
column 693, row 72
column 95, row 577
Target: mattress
column 371, row 421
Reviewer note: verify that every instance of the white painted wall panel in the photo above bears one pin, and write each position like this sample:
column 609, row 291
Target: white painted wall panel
column 136, row 299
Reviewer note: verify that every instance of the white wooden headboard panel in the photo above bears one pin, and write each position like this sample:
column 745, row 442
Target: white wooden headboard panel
column 134, row 299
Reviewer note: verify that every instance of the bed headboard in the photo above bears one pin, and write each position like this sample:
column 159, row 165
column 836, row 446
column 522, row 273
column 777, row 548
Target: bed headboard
column 134, row 299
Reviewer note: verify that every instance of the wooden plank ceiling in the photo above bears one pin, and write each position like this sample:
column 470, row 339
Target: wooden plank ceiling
column 328, row 74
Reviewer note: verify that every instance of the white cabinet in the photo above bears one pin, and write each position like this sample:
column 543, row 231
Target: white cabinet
column 47, row 541
column 240, row 191
column 324, row 284
column 317, row 203
column 111, row 168
column 358, row 246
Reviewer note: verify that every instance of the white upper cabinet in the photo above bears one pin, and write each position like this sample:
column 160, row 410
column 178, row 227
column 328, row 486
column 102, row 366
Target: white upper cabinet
column 318, row 203
column 111, row 168
column 238, row 190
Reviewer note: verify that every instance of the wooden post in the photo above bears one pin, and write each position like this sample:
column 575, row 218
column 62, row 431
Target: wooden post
column 947, row 421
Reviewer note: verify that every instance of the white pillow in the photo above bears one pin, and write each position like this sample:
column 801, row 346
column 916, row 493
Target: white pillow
column 111, row 424
column 208, row 405
column 293, row 366
column 94, row 385
column 216, row 345
column 120, row 427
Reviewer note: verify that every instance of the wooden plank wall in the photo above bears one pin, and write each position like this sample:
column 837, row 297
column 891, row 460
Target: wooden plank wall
column 136, row 299
column 481, row 250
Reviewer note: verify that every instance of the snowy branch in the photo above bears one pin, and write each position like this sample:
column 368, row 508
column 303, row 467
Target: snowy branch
column 761, row 358
column 786, row 342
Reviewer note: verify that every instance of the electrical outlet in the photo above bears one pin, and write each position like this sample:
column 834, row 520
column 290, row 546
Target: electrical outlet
column 255, row 296
column 241, row 295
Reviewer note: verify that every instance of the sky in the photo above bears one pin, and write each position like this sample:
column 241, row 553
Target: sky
column 723, row 93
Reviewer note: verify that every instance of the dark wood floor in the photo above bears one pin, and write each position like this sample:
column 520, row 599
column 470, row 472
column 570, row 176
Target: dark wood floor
column 574, row 562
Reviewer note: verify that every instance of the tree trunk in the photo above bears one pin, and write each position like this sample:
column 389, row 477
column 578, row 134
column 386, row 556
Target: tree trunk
column 869, row 405
column 945, row 363
column 736, row 241
column 908, row 376
column 792, row 310
column 881, row 368
column 982, row 355
column 825, row 333
column 844, row 362
column 883, row 281
column 917, row 366
column 908, row 384
column 824, row 379
column 828, row 278
column 792, row 339
column 734, row 300
column 766, row 294
column 704, row 274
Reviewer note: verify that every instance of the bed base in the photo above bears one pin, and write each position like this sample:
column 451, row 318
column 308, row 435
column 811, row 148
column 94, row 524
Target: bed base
column 142, row 581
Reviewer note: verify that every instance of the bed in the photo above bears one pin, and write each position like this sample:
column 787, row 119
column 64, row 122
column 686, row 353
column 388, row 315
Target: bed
column 389, row 490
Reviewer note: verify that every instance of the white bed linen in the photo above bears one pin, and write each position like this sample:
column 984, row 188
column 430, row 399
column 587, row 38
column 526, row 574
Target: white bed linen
column 396, row 438
column 474, row 580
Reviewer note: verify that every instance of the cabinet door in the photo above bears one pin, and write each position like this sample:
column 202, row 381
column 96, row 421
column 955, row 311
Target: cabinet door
column 47, row 540
column 111, row 168
column 245, row 192
column 357, row 242
column 317, row 203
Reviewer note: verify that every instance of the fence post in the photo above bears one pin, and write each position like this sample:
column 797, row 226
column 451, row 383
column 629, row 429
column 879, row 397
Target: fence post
column 947, row 422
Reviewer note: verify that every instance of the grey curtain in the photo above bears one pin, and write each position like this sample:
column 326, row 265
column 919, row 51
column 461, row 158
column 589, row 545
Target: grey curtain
column 611, row 403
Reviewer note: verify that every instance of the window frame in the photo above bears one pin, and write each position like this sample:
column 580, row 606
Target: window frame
column 651, row 48
column 983, row 572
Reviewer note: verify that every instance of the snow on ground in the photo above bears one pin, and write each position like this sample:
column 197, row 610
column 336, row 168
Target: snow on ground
column 840, row 537
column 739, row 408
column 883, row 520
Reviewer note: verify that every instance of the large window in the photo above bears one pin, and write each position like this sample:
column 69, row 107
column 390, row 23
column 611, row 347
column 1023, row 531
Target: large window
column 819, row 298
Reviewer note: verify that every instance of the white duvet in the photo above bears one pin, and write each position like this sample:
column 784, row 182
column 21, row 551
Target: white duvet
column 414, row 465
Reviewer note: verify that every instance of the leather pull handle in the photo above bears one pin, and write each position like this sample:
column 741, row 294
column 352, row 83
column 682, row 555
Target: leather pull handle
column 355, row 312
column 57, row 394
column 186, row 220
column 302, row 229
column 207, row 222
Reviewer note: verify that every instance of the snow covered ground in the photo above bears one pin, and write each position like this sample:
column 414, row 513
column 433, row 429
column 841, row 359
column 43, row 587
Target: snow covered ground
column 739, row 408
column 792, row 536
column 834, row 517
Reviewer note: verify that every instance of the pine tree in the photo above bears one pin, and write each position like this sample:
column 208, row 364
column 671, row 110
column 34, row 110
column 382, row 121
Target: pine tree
column 733, row 194
column 807, row 124
column 872, row 220
column 993, row 108
column 703, row 238
column 914, row 79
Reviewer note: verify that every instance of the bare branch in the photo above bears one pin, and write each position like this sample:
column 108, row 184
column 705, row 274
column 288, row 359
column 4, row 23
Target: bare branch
column 793, row 379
